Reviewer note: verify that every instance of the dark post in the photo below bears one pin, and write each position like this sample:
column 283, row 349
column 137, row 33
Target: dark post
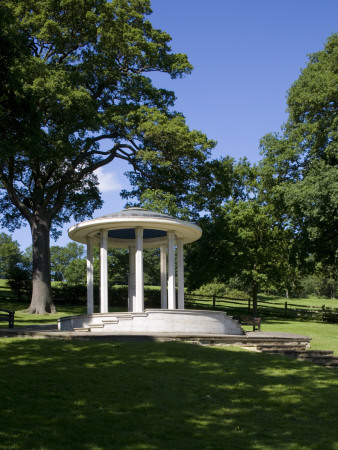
column 249, row 305
column 214, row 301
column 286, row 308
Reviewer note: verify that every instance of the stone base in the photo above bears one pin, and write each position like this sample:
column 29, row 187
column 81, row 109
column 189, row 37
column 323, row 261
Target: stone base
column 154, row 321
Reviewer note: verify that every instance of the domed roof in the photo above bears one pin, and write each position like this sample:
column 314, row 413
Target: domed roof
column 136, row 212
column 121, row 228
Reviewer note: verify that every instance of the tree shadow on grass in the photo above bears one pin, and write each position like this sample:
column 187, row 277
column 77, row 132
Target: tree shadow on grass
column 149, row 395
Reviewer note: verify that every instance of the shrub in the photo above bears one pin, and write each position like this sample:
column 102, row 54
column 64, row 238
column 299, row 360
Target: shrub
column 220, row 290
column 19, row 280
column 330, row 317
column 76, row 294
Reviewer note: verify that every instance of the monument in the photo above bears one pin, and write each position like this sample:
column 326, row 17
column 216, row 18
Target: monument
column 135, row 229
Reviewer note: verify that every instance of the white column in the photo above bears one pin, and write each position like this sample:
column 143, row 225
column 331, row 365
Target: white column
column 103, row 271
column 139, row 270
column 131, row 280
column 171, row 271
column 163, row 260
column 180, row 274
column 90, row 277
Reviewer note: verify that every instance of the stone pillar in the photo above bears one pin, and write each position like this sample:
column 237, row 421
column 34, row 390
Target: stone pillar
column 131, row 280
column 163, row 259
column 180, row 275
column 139, row 270
column 171, row 271
column 90, row 277
column 103, row 271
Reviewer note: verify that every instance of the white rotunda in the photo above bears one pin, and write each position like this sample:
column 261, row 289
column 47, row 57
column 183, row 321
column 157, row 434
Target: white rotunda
column 135, row 229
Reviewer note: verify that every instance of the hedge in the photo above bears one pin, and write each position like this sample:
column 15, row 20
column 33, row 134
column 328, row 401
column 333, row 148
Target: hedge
column 76, row 294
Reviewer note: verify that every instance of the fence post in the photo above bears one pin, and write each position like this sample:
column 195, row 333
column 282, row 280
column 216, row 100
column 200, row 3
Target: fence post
column 286, row 308
column 249, row 305
column 323, row 308
column 214, row 301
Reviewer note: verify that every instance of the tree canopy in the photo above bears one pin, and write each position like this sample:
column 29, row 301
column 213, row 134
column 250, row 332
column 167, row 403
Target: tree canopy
column 281, row 216
column 299, row 166
column 82, row 68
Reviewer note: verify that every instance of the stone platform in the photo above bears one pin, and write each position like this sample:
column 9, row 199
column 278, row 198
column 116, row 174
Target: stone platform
column 154, row 321
column 251, row 339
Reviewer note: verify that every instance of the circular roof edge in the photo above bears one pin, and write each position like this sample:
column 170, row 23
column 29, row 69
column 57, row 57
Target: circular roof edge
column 132, row 218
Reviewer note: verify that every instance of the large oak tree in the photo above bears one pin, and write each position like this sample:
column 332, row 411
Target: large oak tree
column 80, row 96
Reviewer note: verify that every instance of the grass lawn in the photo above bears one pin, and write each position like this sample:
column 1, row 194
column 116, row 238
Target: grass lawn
column 324, row 335
column 147, row 395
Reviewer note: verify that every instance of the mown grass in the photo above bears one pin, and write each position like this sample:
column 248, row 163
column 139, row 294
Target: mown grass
column 148, row 395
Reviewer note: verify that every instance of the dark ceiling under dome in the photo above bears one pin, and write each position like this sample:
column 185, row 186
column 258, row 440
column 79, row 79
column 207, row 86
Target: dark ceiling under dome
column 129, row 233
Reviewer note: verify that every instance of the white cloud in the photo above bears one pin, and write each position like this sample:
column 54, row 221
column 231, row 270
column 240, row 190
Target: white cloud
column 108, row 181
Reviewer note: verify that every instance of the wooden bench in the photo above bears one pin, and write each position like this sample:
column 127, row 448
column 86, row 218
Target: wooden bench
column 249, row 320
column 7, row 316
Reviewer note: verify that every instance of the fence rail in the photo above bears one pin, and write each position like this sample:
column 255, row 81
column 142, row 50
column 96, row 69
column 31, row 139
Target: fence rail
column 286, row 308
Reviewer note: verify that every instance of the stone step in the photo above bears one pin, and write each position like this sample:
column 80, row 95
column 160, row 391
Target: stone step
column 327, row 362
column 109, row 321
column 304, row 354
column 320, row 357
column 95, row 326
column 82, row 329
column 281, row 348
column 282, row 345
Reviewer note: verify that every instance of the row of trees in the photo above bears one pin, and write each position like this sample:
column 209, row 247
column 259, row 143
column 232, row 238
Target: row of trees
column 68, row 265
column 76, row 95
column 273, row 223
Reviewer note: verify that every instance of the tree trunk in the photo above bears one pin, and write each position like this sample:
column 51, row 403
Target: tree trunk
column 42, row 302
column 254, row 298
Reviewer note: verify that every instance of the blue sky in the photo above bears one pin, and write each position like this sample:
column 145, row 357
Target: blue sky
column 246, row 54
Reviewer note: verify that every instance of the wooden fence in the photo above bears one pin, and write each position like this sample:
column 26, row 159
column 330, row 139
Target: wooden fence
column 264, row 305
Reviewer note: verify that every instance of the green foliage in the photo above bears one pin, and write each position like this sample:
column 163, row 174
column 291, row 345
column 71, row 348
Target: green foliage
column 19, row 279
column 220, row 290
column 210, row 289
column 62, row 258
column 76, row 272
column 15, row 267
column 270, row 224
column 330, row 317
column 83, row 71
column 87, row 78
column 10, row 254
column 72, row 293
column 242, row 239
column 68, row 293
column 173, row 166
column 299, row 168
